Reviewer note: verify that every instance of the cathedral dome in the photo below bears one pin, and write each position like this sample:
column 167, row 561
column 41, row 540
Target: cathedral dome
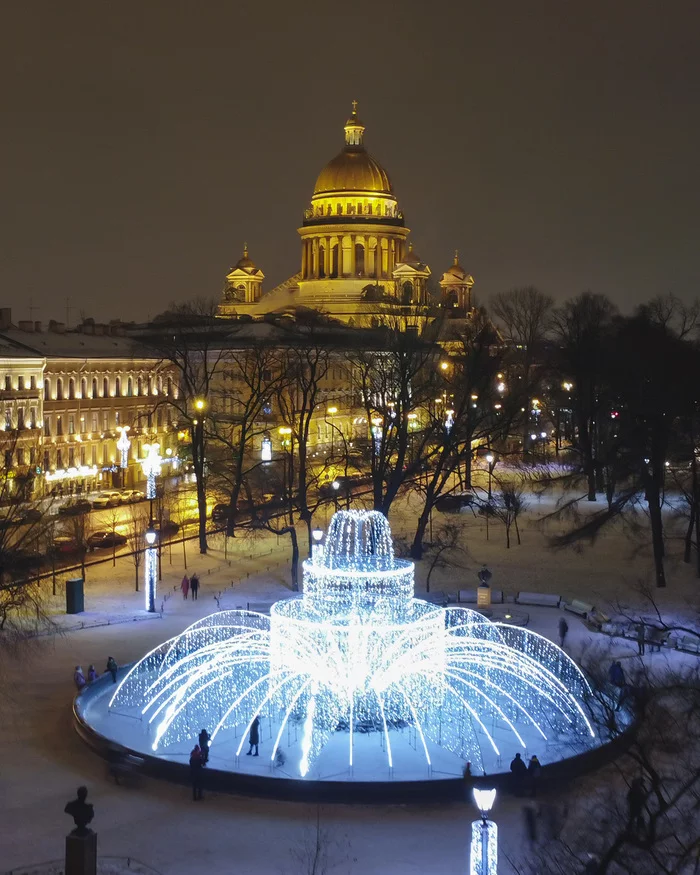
column 245, row 263
column 353, row 169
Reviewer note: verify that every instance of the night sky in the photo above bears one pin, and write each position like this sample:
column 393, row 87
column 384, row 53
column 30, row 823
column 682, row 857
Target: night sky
column 554, row 143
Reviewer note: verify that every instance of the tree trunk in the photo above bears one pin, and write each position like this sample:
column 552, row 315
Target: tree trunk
column 657, row 533
column 689, row 534
column 417, row 545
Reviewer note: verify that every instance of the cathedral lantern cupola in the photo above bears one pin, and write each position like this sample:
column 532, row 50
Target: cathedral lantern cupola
column 244, row 281
column 456, row 285
column 411, row 280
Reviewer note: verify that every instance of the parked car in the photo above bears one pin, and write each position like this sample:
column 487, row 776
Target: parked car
column 19, row 517
column 65, row 544
column 75, row 507
column 130, row 496
column 220, row 512
column 109, row 498
column 455, row 502
column 17, row 560
column 169, row 527
column 105, row 539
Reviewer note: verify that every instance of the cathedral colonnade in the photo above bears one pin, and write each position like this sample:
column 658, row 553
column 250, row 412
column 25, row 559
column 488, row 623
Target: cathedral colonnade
column 350, row 255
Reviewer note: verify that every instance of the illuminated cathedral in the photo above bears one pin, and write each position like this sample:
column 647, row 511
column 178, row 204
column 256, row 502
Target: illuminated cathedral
column 357, row 264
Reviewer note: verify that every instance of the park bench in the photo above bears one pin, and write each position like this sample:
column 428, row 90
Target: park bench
column 688, row 643
column 259, row 607
column 468, row 596
column 576, row 606
column 544, row 599
column 437, row 598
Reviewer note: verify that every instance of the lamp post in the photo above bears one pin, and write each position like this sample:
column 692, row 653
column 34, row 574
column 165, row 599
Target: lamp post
column 151, row 468
column 490, row 458
column 336, row 487
column 123, row 445
column 543, row 435
column 483, row 857
column 151, row 568
column 317, row 546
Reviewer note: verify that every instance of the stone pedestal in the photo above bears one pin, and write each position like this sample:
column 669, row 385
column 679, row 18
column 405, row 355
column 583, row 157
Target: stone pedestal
column 81, row 854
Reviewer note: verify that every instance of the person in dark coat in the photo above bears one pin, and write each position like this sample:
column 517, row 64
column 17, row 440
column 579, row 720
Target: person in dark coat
column 616, row 674
column 92, row 674
column 254, row 737
column 534, row 770
column 194, row 586
column 112, row 668
column 204, row 739
column 640, row 638
column 636, row 797
column 196, row 766
column 563, row 631
column 519, row 771
column 468, row 782
column 78, row 678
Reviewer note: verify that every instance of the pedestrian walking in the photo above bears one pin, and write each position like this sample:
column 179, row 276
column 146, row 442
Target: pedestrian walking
column 616, row 674
column 563, row 631
column 194, row 586
column 112, row 668
column 468, row 782
column 534, row 770
column 185, row 586
column 196, row 766
column 640, row 638
column 636, row 798
column 92, row 674
column 79, row 678
column 204, row 742
column 519, row 771
column 254, row 737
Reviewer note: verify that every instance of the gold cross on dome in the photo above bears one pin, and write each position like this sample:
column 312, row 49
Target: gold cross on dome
column 354, row 107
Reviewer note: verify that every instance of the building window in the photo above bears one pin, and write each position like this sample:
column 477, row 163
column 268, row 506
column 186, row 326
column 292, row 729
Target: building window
column 95, row 424
column 139, row 386
column 105, row 421
column 160, row 385
column 32, row 417
column 47, row 460
column 71, row 457
column 47, row 389
column 82, row 425
column 20, row 383
column 32, row 456
column 169, row 385
column 59, row 426
column 71, row 424
column 117, row 417
column 82, row 455
column 8, row 419
column 71, row 389
column 105, row 388
column 20, row 417
column 168, row 415
column 118, row 388
column 94, row 454
column 105, row 457
column 47, row 426
column 159, row 417
column 149, row 385
column 8, row 382
column 20, row 456
column 8, row 459
column 59, row 459
column 32, row 382
column 59, row 389
column 129, row 387
column 94, row 387
column 83, row 388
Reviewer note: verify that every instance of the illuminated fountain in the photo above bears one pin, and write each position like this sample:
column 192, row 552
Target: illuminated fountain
column 355, row 679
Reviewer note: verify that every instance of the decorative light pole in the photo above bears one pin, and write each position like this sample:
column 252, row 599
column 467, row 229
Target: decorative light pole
column 317, row 546
column 483, row 858
column 123, row 445
column 151, row 468
column 151, row 568
column 490, row 458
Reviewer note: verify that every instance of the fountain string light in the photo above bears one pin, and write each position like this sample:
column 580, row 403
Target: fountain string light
column 356, row 654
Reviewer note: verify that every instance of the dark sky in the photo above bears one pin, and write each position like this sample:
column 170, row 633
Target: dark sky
column 555, row 143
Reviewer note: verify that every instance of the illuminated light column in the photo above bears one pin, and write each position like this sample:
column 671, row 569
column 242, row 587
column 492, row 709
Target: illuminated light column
column 483, row 858
column 123, row 445
column 151, row 468
column 151, row 569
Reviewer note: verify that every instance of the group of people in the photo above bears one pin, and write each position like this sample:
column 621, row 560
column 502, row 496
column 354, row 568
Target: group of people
column 190, row 583
column 199, row 756
column 526, row 778
column 81, row 681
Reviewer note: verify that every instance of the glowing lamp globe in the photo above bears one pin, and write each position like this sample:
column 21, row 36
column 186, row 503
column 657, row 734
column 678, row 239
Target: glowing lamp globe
column 484, row 800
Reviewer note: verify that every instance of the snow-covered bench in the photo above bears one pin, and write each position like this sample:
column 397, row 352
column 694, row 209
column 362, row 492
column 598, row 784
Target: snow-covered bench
column 688, row 644
column 259, row 607
column 468, row 596
column 544, row 599
column 576, row 606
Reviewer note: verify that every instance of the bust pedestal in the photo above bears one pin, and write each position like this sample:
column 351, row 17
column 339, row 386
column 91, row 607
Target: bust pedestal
column 81, row 853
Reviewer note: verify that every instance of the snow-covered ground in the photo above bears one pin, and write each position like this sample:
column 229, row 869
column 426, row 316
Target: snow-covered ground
column 157, row 824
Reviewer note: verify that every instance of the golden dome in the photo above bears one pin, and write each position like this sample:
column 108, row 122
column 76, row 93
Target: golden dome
column 457, row 270
column 353, row 169
column 245, row 263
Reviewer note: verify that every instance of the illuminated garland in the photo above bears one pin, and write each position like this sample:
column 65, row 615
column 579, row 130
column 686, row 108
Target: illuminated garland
column 357, row 653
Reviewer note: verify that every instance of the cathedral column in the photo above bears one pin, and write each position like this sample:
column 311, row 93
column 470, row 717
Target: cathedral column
column 314, row 258
column 327, row 256
column 378, row 259
column 304, row 253
column 353, row 262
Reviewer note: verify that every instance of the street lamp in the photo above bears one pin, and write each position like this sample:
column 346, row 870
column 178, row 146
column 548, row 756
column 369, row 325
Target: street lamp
column 151, row 468
column 336, row 487
column 483, row 858
column 151, row 568
column 317, row 547
column 123, row 445
column 490, row 458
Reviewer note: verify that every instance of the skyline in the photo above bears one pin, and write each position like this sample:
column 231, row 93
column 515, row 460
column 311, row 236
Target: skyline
column 551, row 147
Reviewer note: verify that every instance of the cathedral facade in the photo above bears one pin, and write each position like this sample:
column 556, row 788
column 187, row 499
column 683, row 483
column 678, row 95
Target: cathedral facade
column 357, row 265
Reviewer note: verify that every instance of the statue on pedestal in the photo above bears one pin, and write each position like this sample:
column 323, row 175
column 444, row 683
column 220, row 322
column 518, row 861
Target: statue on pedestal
column 81, row 811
